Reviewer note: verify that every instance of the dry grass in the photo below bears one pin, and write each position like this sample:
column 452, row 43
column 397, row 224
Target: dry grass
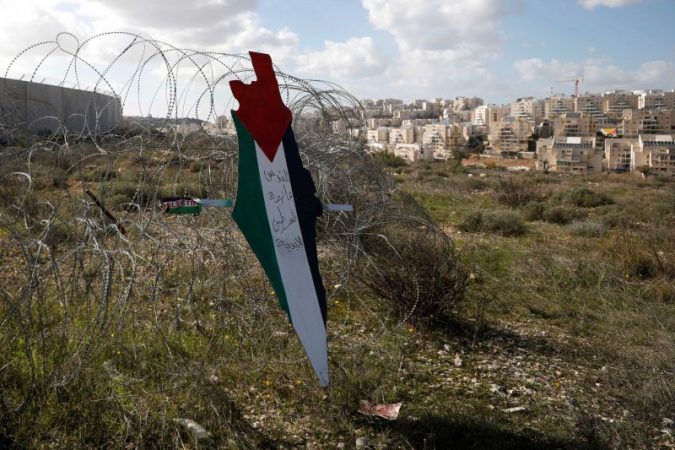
column 573, row 325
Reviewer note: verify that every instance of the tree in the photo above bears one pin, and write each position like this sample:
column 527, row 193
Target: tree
column 645, row 170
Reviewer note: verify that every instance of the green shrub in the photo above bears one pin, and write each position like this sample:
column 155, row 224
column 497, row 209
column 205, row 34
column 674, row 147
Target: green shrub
column 127, row 188
column 10, row 187
column 192, row 190
column 499, row 222
column 636, row 258
column 534, row 211
column 59, row 178
column 562, row 215
column 586, row 198
column 390, row 160
column 587, row 228
column 416, row 271
column 643, row 266
column 119, row 202
column 197, row 166
column 477, row 184
column 143, row 194
column 617, row 219
column 518, row 191
column 60, row 233
column 99, row 175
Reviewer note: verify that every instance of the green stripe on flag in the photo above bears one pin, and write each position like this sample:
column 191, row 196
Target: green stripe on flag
column 250, row 214
column 195, row 210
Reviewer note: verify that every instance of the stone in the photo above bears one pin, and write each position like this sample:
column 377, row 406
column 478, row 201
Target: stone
column 361, row 442
column 200, row 436
column 515, row 409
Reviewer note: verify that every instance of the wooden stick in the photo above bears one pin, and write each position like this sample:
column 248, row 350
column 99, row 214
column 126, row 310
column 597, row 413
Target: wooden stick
column 106, row 212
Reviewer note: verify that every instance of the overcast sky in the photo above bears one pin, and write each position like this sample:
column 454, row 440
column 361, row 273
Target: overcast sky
column 495, row 49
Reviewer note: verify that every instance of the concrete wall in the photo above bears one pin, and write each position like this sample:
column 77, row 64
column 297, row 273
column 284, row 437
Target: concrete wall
column 34, row 107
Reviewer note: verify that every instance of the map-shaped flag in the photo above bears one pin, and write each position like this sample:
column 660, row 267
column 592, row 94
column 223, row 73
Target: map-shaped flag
column 276, row 208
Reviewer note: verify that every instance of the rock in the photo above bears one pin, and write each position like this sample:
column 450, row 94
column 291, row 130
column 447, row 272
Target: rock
column 667, row 422
column 497, row 389
column 361, row 442
column 513, row 392
column 458, row 360
column 515, row 409
column 200, row 436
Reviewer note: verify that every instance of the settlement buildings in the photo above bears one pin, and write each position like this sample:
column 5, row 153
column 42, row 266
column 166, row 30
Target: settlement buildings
column 612, row 131
column 424, row 129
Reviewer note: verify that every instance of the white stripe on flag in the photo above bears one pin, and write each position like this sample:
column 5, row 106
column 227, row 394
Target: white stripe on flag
column 215, row 203
column 289, row 247
column 337, row 207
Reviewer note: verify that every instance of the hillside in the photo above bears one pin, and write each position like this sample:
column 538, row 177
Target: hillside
column 563, row 336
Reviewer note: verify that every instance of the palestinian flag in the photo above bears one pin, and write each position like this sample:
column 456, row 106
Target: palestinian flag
column 276, row 208
column 180, row 205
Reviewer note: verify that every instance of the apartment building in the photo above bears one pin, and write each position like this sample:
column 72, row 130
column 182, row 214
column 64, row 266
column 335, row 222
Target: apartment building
column 618, row 154
column 615, row 102
column 509, row 136
column 479, row 116
column 432, row 107
column 656, row 100
column 656, row 152
column 412, row 152
column 402, row 135
column 646, row 121
column 470, row 130
column 572, row 124
column 466, row 103
column 571, row 155
column 527, row 107
column 495, row 113
column 557, row 105
column 410, row 114
column 456, row 116
column 375, row 122
column 544, row 129
column 441, row 140
column 378, row 135
column 590, row 105
column 418, row 123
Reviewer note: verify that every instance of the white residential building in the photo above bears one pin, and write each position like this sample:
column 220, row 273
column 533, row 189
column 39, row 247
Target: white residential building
column 572, row 155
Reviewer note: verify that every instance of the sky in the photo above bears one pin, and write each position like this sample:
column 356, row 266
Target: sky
column 495, row 49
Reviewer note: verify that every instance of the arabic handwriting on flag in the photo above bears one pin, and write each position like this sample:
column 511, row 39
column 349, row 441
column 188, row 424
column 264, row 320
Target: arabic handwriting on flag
column 276, row 208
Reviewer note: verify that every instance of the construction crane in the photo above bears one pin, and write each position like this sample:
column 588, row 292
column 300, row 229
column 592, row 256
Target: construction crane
column 576, row 82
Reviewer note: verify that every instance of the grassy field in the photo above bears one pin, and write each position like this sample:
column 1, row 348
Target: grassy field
column 564, row 337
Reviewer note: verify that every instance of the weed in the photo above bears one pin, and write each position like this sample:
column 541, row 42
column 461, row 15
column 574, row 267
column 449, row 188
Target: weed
column 390, row 160
column 617, row 219
column 499, row 222
column 587, row 198
column 416, row 271
column 59, row 178
column 587, row 228
column 562, row 215
column 518, row 191
column 534, row 211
